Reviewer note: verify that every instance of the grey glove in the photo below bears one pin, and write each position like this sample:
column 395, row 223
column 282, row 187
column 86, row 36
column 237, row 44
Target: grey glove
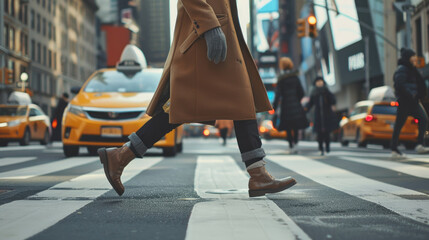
column 216, row 45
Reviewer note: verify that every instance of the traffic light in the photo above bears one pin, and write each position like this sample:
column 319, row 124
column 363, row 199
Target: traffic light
column 8, row 76
column 312, row 28
column 301, row 27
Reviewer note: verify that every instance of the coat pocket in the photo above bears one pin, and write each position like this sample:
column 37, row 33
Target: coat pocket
column 193, row 36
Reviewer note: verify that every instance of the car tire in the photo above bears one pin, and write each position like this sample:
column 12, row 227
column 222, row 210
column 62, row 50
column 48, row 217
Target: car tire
column 180, row 147
column 92, row 151
column 4, row 143
column 410, row 146
column 26, row 138
column 386, row 145
column 46, row 138
column 344, row 143
column 70, row 150
column 169, row 151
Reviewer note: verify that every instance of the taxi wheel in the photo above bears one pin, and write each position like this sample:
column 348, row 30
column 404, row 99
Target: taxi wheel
column 3, row 143
column 26, row 138
column 179, row 147
column 45, row 139
column 410, row 146
column 92, row 151
column 169, row 151
column 70, row 150
column 344, row 143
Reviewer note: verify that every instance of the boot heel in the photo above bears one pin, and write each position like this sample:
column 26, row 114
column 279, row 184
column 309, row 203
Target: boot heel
column 256, row 193
column 102, row 154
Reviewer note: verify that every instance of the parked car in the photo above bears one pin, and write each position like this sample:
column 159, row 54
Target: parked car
column 23, row 123
column 112, row 104
column 373, row 122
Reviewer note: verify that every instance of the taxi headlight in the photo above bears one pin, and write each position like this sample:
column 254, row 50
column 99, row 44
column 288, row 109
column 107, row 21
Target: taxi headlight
column 76, row 110
column 13, row 123
column 3, row 124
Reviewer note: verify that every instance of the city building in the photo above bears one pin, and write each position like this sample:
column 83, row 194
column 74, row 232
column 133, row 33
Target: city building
column 14, row 45
column 154, row 19
column 62, row 47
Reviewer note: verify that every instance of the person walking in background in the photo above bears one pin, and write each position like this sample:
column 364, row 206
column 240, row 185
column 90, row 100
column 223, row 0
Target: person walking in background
column 287, row 103
column 209, row 74
column 409, row 89
column 225, row 129
column 57, row 118
column 324, row 117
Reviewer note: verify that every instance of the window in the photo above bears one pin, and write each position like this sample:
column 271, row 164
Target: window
column 39, row 53
column 55, row 61
column 49, row 58
column 49, row 6
column 6, row 6
column 38, row 23
column 44, row 55
column 11, row 66
column 32, row 20
column 11, row 38
column 6, row 35
column 54, row 33
column 44, row 27
column 12, row 8
column 49, row 30
column 33, row 50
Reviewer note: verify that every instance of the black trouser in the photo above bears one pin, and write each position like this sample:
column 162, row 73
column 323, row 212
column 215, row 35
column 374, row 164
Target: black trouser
column 246, row 132
column 324, row 137
column 406, row 109
column 223, row 134
column 292, row 137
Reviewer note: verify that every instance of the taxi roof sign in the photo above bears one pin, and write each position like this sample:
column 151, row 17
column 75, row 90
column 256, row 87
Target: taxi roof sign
column 132, row 59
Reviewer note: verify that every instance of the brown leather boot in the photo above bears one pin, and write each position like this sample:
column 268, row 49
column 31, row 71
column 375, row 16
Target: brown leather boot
column 261, row 182
column 114, row 161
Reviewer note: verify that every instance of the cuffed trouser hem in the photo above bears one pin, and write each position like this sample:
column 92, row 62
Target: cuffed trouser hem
column 137, row 145
column 258, row 153
column 257, row 164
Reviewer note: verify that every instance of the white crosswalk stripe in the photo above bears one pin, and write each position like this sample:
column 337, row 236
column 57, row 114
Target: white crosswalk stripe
column 46, row 168
column 413, row 170
column 14, row 160
column 231, row 214
column 389, row 196
column 42, row 210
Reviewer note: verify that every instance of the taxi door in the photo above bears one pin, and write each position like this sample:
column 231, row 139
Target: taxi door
column 36, row 124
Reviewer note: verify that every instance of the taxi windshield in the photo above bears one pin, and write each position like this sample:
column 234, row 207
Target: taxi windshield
column 384, row 109
column 115, row 81
column 13, row 111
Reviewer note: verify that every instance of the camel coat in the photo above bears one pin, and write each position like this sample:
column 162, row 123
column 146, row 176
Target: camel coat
column 200, row 90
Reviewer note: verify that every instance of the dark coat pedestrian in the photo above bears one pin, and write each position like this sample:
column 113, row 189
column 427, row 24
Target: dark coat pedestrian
column 57, row 117
column 410, row 88
column 288, row 96
column 325, row 120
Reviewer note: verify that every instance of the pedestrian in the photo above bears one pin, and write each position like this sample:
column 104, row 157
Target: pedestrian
column 57, row 117
column 287, row 103
column 209, row 74
column 325, row 120
column 225, row 129
column 410, row 88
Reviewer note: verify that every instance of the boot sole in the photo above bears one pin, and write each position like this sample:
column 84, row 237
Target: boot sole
column 262, row 192
column 103, row 159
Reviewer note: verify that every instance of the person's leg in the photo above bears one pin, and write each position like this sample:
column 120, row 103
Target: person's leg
column 223, row 132
column 289, row 137
column 401, row 117
column 422, row 117
column 320, row 137
column 114, row 160
column 327, row 142
column 249, row 143
column 295, row 136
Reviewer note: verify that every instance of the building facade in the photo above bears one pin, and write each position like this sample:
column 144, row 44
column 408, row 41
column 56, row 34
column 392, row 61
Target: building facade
column 14, row 48
column 62, row 47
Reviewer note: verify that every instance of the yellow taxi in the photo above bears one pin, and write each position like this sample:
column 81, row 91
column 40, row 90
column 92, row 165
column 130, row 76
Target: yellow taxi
column 112, row 104
column 373, row 122
column 267, row 130
column 23, row 123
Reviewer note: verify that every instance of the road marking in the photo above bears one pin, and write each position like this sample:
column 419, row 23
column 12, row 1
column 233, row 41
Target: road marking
column 386, row 155
column 21, row 148
column 386, row 195
column 46, row 168
column 14, row 160
column 230, row 213
column 413, row 170
column 42, row 210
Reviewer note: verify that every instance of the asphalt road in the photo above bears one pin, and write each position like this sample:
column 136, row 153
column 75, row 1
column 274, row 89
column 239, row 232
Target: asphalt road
column 352, row 193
